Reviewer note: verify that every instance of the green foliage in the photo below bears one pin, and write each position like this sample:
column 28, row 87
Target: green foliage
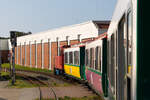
column 4, row 37
column 21, row 84
column 18, row 34
column 19, row 67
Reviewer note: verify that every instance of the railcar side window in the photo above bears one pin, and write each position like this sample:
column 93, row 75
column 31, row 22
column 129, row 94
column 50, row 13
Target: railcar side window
column 76, row 57
column 99, row 59
column 90, row 57
column 96, row 58
column 70, row 58
column 87, row 57
column 66, row 57
column 129, row 30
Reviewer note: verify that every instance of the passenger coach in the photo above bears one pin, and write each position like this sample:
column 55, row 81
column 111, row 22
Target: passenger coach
column 128, row 66
column 96, row 64
column 74, row 62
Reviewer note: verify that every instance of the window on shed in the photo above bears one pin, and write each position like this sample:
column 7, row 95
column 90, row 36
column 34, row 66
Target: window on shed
column 76, row 57
column 66, row 57
column 70, row 58
column 96, row 58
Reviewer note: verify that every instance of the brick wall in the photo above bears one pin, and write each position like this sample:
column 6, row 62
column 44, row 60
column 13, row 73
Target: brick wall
column 23, row 55
column 88, row 39
column 62, row 43
column 39, row 55
column 19, row 54
column 53, row 53
column 4, row 56
column 33, row 55
column 73, row 42
column 46, row 55
column 27, row 55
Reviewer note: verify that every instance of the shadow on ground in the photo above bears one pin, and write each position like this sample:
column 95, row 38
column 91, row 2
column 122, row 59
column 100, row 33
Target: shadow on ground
column 42, row 78
column 2, row 99
column 4, row 78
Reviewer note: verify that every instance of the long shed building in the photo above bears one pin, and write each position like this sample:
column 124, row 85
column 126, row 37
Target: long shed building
column 39, row 50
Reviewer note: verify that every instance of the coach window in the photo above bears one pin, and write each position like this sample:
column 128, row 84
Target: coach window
column 99, row 59
column 87, row 57
column 66, row 57
column 76, row 57
column 96, row 58
column 90, row 57
column 129, row 30
column 70, row 58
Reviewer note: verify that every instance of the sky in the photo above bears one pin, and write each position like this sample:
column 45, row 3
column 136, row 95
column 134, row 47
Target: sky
column 41, row 15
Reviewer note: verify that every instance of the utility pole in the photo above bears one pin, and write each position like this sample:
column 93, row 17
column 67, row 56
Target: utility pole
column 13, row 41
column 0, row 62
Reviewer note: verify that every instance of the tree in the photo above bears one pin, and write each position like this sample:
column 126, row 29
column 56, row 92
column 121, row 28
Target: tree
column 18, row 34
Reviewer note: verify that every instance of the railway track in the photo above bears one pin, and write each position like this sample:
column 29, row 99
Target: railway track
column 51, row 75
column 33, row 79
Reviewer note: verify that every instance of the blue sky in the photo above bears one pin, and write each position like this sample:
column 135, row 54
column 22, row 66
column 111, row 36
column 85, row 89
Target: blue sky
column 42, row 15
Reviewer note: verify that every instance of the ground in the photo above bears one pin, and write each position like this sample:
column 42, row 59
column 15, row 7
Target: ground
column 27, row 92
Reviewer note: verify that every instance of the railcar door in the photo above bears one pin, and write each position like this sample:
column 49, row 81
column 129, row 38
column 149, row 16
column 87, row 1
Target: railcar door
column 104, row 67
column 82, row 62
column 121, row 59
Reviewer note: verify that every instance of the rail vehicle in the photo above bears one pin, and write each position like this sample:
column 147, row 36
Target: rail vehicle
column 74, row 63
column 59, row 61
column 128, row 52
column 96, row 64
column 87, row 62
column 118, row 66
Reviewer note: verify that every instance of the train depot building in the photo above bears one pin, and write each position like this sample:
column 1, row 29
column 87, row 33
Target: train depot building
column 4, row 50
column 39, row 50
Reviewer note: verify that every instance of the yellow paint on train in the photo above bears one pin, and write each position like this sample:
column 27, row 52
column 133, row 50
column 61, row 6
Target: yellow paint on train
column 72, row 70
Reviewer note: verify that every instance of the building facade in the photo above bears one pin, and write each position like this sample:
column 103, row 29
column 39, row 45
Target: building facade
column 39, row 50
column 4, row 50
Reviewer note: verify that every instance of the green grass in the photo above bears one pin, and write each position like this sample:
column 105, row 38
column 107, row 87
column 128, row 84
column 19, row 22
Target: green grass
column 95, row 97
column 26, row 68
column 4, row 73
column 21, row 84
column 54, row 84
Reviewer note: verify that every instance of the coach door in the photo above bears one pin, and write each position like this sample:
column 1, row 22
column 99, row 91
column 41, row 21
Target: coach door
column 129, row 55
column 121, row 59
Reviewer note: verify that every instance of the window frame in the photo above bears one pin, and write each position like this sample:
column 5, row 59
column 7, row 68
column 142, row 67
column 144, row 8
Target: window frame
column 71, row 62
